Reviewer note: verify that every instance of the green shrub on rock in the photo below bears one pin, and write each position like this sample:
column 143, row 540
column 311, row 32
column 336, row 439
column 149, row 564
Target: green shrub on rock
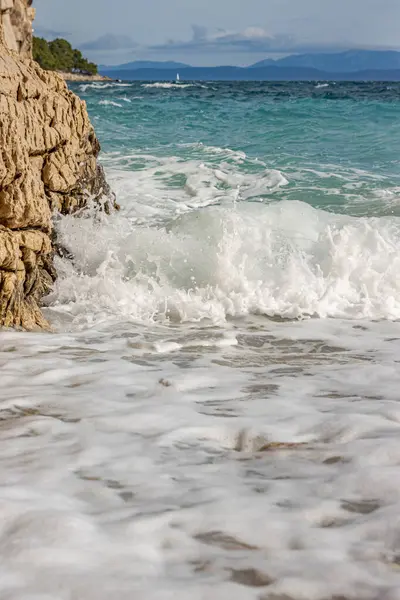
column 59, row 55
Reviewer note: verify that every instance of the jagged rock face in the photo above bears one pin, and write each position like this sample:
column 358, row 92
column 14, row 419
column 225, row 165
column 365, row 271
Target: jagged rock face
column 48, row 152
column 16, row 17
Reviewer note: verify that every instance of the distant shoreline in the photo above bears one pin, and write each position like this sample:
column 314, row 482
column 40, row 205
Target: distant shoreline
column 81, row 77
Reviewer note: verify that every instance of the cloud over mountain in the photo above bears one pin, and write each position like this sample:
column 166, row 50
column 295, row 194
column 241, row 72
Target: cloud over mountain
column 49, row 34
column 250, row 40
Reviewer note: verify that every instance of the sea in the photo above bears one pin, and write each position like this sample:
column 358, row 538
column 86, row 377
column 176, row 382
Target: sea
column 216, row 414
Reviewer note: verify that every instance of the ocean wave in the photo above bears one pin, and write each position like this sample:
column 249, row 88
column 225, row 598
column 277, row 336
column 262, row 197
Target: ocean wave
column 238, row 155
column 168, row 86
column 175, row 185
column 285, row 259
column 110, row 103
column 102, row 86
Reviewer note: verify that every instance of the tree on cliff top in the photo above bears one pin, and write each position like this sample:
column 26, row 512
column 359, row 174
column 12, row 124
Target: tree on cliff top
column 59, row 55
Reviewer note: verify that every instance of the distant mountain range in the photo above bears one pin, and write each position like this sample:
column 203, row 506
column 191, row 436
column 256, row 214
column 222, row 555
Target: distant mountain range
column 342, row 62
column 353, row 65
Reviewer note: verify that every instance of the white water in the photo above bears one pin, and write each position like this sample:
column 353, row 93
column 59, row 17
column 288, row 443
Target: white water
column 135, row 457
column 110, row 103
column 103, row 86
column 167, row 86
column 285, row 259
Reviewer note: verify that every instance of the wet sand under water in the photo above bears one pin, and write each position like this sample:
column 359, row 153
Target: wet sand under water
column 258, row 460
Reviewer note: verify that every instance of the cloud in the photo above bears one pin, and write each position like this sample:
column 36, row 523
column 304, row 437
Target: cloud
column 252, row 40
column 199, row 33
column 109, row 41
column 49, row 34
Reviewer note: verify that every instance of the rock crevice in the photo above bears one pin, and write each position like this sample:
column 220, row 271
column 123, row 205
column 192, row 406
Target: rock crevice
column 48, row 163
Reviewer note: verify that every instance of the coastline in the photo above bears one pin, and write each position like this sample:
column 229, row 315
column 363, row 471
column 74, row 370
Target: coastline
column 80, row 77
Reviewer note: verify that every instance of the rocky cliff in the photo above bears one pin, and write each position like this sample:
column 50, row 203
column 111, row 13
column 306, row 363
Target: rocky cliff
column 48, row 152
column 16, row 18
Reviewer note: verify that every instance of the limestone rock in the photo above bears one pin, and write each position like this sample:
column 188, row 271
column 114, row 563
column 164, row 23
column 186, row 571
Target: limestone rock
column 48, row 152
column 16, row 17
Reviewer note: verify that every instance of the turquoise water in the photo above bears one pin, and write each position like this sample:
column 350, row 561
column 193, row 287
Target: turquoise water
column 216, row 414
column 338, row 146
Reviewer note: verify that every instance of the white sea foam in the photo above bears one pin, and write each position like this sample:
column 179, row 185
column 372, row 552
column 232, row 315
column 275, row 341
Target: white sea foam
column 237, row 155
column 95, row 85
column 153, row 191
column 185, row 260
column 133, row 461
column 168, row 86
column 106, row 102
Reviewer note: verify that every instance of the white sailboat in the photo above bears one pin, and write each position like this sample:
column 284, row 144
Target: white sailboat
column 177, row 78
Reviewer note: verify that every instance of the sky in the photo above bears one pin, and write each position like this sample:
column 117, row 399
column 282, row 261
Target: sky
column 217, row 32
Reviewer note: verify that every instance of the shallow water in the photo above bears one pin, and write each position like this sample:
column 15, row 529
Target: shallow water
column 216, row 414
